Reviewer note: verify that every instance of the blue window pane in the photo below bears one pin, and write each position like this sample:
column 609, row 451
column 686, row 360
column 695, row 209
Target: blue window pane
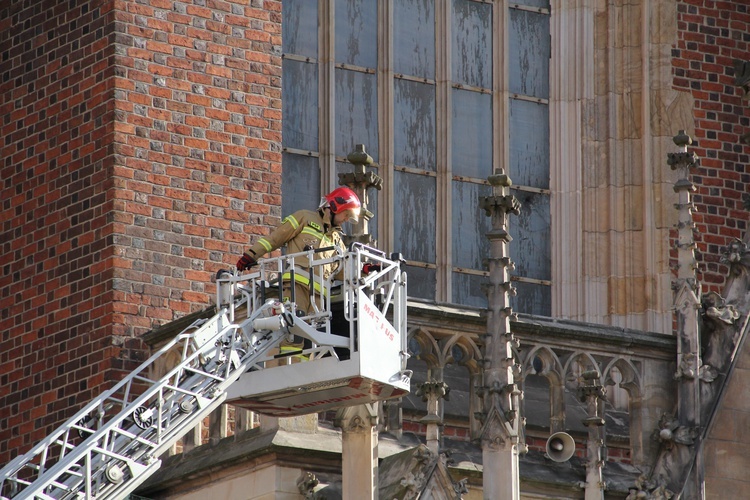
column 414, row 124
column 471, row 43
column 299, row 28
column 468, row 290
column 414, row 220
column 414, row 38
column 531, row 247
column 529, row 53
column 356, row 32
column 472, row 134
column 529, row 144
column 532, row 298
column 421, row 282
column 356, row 112
column 300, row 105
column 470, row 225
column 300, row 183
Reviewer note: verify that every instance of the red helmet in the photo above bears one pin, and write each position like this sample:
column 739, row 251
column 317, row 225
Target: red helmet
column 343, row 198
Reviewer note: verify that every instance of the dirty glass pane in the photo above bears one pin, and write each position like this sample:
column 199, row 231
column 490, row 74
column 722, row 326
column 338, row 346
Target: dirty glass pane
column 530, row 248
column 300, row 183
column 299, row 28
column 471, row 44
column 356, row 112
column 421, row 282
column 372, row 197
column 534, row 3
column 414, row 124
column 532, row 298
column 414, row 219
column 468, row 291
column 356, row 32
column 414, row 37
column 300, row 105
column 472, row 134
column 529, row 144
column 470, row 224
column 536, row 398
column 529, row 53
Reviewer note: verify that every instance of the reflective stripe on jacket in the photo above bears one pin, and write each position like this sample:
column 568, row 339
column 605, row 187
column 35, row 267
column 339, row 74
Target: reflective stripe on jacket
column 301, row 231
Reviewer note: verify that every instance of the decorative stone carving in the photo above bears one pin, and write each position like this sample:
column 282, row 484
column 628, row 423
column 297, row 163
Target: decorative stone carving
column 742, row 77
column 433, row 389
column 716, row 309
column 686, row 367
column 737, row 257
column 708, row 373
column 671, row 433
column 647, row 489
column 306, row 484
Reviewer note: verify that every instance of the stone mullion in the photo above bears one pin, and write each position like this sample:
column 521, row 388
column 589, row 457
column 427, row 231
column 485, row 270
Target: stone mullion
column 326, row 94
column 386, row 218
column 592, row 393
column 443, row 103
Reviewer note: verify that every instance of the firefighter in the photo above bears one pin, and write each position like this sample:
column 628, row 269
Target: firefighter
column 302, row 231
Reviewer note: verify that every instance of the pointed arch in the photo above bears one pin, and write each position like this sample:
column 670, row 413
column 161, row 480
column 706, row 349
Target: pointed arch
column 543, row 363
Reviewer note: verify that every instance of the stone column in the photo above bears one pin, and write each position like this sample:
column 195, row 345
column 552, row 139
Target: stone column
column 687, row 289
column 592, row 393
column 500, row 417
column 432, row 391
column 359, row 451
column 359, row 433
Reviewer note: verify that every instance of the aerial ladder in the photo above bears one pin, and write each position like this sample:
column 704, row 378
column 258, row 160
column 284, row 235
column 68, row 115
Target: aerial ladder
column 354, row 352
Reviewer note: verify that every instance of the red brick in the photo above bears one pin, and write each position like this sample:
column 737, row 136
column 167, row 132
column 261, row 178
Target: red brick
column 125, row 209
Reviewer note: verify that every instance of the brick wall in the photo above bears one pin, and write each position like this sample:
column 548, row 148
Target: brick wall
column 140, row 152
column 711, row 37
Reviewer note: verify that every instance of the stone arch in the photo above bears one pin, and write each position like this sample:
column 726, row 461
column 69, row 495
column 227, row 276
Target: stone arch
column 423, row 346
column 544, row 363
column 463, row 351
column 576, row 364
column 629, row 379
column 623, row 373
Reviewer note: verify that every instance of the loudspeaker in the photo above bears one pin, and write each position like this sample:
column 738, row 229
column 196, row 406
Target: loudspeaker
column 560, row 446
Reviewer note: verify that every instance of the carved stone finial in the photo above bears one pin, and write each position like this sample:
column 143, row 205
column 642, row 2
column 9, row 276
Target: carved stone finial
column 682, row 139
column 433, row 389
column 359, row 156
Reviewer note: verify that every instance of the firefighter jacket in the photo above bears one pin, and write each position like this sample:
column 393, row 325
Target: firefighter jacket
column 302, row 231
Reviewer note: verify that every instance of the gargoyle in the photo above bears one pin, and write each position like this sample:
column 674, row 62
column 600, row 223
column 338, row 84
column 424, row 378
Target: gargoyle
column 717, row 309
column 737, row 256
column 671, row 432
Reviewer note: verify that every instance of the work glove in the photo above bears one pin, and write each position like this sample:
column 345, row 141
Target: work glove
column 246, row 262
column 369, row 267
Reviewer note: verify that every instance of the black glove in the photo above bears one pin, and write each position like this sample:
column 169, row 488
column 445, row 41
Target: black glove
column 246, row 262
column 369, row 267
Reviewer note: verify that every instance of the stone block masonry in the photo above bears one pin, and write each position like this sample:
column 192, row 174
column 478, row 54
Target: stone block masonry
column 140, row 152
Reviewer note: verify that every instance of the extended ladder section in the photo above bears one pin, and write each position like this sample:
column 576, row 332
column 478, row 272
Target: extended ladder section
column 114, row 443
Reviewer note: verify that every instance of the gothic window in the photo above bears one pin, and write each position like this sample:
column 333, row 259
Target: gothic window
column 440, row 94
